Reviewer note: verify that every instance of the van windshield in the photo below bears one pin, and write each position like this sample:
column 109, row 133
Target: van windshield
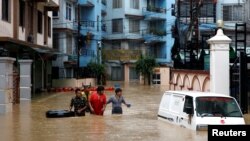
column 217, row 107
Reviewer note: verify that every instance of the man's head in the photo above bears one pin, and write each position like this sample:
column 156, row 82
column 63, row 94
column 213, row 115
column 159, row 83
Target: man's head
column 118, row 91
column 100, row 89
column 78, row 92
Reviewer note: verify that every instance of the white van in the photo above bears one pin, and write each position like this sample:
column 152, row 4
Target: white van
column 196, row 110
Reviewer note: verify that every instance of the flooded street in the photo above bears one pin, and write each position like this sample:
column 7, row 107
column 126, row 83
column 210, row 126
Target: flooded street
column 138, row 123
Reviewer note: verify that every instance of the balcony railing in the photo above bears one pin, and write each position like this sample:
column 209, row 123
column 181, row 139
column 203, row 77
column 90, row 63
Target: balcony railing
column 121, row 55
column 159, row 56
column 156, row 9
column 87, row 52
column 154, row 35
column 154, row 13
column 88, row 24
column 207, row 12
column 72, row 57
column 155, row 31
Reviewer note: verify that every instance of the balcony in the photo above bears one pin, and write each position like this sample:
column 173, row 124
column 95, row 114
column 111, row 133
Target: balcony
column 159, row 56
column 121, row 55
column 104, row 7
column 118, row 36
column 49, row 5
column 85, row 26
column 57, row 24
column 72, row 58
column 87, row 52
column 153, row 36
column 87, row 3
column 154, row 13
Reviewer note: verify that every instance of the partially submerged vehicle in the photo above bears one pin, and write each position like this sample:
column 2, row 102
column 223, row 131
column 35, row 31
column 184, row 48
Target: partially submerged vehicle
column 197, row 110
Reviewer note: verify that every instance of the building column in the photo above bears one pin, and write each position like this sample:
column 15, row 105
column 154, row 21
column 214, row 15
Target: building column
column 6, row 84
column 25, row 79
column 219, row 63
column 126, row 73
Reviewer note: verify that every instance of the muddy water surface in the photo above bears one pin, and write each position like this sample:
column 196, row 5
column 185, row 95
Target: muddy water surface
column 28, row 122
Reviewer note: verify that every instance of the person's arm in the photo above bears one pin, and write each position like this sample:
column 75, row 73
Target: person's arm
column 104, row 103
column 90, row 106
column 71, row 104
column 84, row 107
column 124, row 102
column 109, row 101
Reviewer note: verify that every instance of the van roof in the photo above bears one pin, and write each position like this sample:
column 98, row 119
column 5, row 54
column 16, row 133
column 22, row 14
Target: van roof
column 198, row 93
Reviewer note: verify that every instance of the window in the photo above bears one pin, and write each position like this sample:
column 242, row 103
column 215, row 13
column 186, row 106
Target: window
column 55, row 14
column 49, row 26
column 69, row 44
column 68, row 11
column 117, row 26
column 156, row 78
column 56, row 41
column 21, row 13
column 97, row 19
column 69, row 72
column 117, row 3
column 132, row 74
column 116, row 45
column 134, row 45
column 134, row 4
column 39, row 22
column 103, row 26
column 134, row 26
column 6, row 10
column 232, row 13
column 188, row 104
column 217, row 107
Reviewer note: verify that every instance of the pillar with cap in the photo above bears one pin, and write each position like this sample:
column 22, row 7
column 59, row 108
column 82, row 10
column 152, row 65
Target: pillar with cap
column 219, row 61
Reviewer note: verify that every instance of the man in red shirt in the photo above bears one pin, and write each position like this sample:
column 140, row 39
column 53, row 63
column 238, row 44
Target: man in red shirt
column 97, row 101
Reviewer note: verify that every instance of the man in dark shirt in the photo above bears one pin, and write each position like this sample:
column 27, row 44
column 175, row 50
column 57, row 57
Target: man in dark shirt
column 79, row 103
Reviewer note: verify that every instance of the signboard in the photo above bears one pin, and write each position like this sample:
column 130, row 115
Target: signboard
column 122, row 55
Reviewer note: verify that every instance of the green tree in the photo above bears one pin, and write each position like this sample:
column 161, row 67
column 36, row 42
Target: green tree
column 98, row 71
column 145, row 66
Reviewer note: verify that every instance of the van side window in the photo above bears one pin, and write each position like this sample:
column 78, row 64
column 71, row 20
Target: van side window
column 188, row 105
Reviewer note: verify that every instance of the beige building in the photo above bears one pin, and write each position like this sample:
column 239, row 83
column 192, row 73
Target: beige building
column 26, row 33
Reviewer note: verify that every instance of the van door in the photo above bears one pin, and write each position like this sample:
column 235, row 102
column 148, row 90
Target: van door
column 176, row 107
column 188, row 112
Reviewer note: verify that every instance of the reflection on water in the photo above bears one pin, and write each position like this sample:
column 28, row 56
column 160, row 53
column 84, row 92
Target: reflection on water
column 28, row 122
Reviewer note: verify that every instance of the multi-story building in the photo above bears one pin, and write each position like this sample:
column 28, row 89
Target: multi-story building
column 135, row 27
column 26, row 32
column 234, row 12
column 65, row 35
column 77, row 26
column 91, row 14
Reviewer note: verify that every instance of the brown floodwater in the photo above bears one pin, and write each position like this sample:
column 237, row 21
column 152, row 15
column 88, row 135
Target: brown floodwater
column 28, row 122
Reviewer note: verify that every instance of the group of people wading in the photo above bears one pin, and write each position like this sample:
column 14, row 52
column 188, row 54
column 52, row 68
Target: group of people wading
column 97, row 102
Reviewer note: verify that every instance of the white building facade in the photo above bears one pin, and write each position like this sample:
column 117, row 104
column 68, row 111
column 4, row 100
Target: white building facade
column 65, row 34
column 232, row 12
column 26, row 33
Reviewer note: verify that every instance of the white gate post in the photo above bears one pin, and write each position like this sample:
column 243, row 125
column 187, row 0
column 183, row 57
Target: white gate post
column 219, row 62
